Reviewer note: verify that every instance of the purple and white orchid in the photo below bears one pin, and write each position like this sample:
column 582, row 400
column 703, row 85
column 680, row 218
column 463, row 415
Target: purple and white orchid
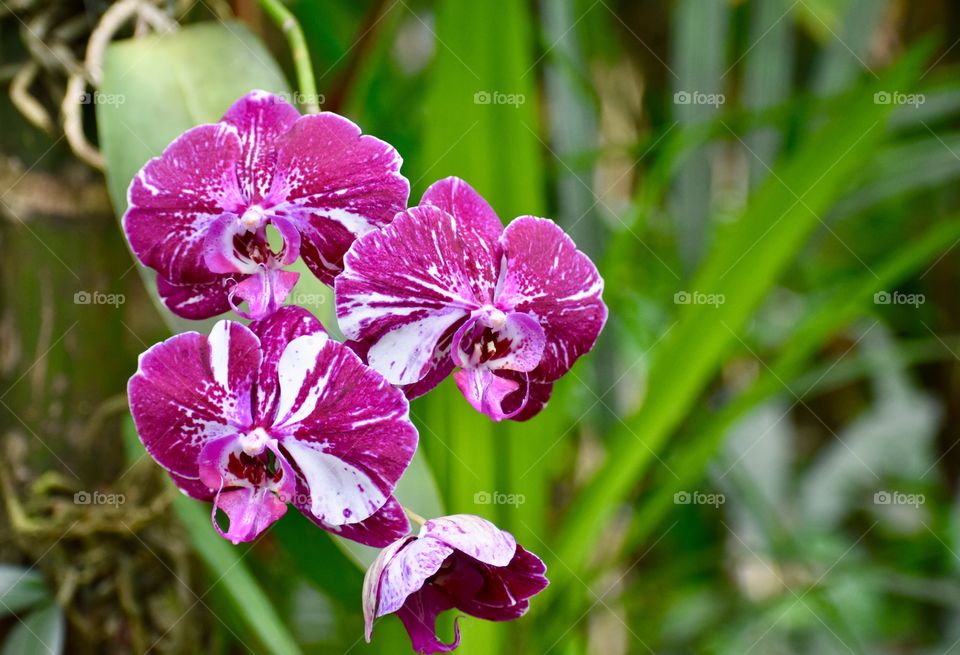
column 461, row 561
column 254, row 418
column 199, row 213
column 446, row 286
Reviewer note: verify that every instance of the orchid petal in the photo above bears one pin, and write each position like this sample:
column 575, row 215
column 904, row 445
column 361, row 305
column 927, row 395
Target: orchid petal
column 264, row 292
column 261, row 119
column 347, row 428
column 191, row 389
column 474, row 536
column 382, row 528
column 548, row 278
column 175, row 198
column 336, row 185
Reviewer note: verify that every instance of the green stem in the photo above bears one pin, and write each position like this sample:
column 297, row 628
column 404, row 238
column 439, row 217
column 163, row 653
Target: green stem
column 288, row 23
column 416, row 518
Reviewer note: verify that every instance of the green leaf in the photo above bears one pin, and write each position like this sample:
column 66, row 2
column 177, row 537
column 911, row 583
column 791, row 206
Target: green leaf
column 42, row 632
column 20, row 588
column 770, row 233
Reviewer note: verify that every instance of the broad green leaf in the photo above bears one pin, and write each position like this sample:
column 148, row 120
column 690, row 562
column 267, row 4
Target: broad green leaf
column 41, row 632
column 20, row 588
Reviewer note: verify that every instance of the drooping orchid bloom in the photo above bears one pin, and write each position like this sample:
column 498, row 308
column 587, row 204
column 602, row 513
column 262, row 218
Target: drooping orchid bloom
column 446, row 286
column 255, row 418
column 199, row 214
column 461, row 561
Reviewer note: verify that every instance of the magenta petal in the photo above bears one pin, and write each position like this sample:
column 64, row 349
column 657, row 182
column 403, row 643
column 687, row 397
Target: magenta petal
column 537, row 396
column 191, row 389
column 372, row 580
column 275, row 332
column 487, row 391
column 473, row 214
column 291, row 240
column 419, row 616
column 249, row 510
column 175, row 197
column 261, row 120
column 403, row 288
column 219, row 247
column 504, row 591
column 409, row 571
column 549, row 278
column 473, row 535
column 193, row 488
column 348, row 429
column 264, row 292
column 198, row 301
column 381, row 529
column 336, row 185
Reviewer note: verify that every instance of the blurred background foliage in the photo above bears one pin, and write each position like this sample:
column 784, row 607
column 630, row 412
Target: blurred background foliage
column 757, row 458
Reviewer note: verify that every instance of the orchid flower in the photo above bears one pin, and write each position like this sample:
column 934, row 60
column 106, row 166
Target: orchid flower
column 461, row 561
column 199, row 213
column 445, row 286
column 255, row 418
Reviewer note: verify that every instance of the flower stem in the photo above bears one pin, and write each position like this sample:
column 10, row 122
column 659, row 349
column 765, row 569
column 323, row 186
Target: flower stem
column 287, row 22
column 416, row 518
